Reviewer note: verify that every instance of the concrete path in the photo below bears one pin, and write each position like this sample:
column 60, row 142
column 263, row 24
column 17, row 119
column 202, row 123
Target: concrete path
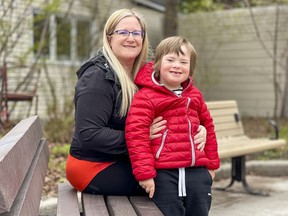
column 238, row 203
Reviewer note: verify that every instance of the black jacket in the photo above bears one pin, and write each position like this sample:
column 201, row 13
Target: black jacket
column 99, row 131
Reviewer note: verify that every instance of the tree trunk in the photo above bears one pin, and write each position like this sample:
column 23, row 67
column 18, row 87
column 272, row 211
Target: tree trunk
column 170, row 20
column 284, row 110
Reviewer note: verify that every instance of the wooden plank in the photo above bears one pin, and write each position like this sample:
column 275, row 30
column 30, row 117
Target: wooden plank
column 28, row 198
column 245, row 147
column 229, row 126
column 94, row 205
column 67, row 203
column 224, row 112
column 22, row 140
column 223, row 119
column 221, row 104
column 145, row 206
column 227, row 133
column 119, row 206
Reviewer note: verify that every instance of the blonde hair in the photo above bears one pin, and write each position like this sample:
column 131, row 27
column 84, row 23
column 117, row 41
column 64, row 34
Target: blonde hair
column 127, row 85
column 173, row 45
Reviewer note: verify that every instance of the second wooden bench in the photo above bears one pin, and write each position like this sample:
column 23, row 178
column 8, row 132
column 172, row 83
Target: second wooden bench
column 234, row 144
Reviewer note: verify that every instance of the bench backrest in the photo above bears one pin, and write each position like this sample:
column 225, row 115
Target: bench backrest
column 24, row 158
column 226, row 118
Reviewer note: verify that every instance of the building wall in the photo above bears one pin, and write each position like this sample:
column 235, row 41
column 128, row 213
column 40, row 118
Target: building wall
column 154, row 20
column 232, row 62
column 58, row 77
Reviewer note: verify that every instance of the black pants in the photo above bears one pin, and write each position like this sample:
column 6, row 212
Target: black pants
column 117, row 179
column 198, row 188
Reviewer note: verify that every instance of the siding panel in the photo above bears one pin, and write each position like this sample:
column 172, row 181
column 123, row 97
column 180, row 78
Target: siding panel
column 232, row 62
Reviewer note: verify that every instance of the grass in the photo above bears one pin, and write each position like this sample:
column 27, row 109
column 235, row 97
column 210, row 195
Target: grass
column 56, row 168
column 259, row 127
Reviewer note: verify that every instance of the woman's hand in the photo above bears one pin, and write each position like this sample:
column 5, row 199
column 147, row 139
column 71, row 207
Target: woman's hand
column 149, row 186
column 157, row 125
column 200, row 137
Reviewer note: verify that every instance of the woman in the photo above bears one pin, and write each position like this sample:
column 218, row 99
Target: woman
column 98, row 162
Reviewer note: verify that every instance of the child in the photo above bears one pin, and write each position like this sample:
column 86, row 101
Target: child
column 171, row 169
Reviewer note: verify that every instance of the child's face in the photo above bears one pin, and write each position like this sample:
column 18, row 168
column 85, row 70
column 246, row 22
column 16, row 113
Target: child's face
column 175, row 69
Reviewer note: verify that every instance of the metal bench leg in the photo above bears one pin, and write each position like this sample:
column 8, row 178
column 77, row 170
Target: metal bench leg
column 238, row 173
column 226, row 187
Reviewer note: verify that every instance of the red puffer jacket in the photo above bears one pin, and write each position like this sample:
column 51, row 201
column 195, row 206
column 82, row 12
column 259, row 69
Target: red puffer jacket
column 176, row 148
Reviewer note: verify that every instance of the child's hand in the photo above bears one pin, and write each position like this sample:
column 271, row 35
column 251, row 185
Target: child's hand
column 149, row 186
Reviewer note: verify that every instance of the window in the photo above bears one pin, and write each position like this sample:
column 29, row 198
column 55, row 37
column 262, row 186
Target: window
column 63, row 38
column 66, row 38
column 83, row 39
column 41, row 26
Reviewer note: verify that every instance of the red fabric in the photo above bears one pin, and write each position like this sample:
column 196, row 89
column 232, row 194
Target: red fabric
column 183, row 114
column 86, row 169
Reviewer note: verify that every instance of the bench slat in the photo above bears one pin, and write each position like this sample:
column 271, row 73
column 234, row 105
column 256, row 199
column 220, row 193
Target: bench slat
column 94, row 205
column 22, row 140
column 223, row 112
column 223, row 119
column 119, row 206
column 144, row 206
column 67, row 203
column 227, row 133
column 221, row 104
column 229, row 126
column 28, row 199
column 233, row 148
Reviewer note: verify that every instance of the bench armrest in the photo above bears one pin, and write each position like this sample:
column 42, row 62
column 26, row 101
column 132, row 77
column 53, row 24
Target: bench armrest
column 276, row 129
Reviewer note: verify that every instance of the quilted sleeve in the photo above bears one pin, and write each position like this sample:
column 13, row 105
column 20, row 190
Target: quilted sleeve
column 137, row 131
column 211, row 146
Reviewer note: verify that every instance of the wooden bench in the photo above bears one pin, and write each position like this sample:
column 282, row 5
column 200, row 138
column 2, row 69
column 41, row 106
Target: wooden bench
column 97, row 205
column 234, row 144
column 24, row 156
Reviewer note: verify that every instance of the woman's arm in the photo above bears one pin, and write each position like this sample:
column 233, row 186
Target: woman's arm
column 159, row 124
column 95, row 107
column 200, row 138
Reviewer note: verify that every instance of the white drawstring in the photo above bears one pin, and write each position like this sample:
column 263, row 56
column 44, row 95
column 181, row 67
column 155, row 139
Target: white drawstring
column 181, row 183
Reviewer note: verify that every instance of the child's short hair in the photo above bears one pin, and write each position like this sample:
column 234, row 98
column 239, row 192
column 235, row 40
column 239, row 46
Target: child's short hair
column 173, row 45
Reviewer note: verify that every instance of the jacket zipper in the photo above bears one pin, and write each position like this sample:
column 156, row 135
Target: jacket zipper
column 162, row 144
column 190, row 133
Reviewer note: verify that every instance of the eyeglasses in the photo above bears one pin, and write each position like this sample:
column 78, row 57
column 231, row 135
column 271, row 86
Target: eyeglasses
column 125, row 33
